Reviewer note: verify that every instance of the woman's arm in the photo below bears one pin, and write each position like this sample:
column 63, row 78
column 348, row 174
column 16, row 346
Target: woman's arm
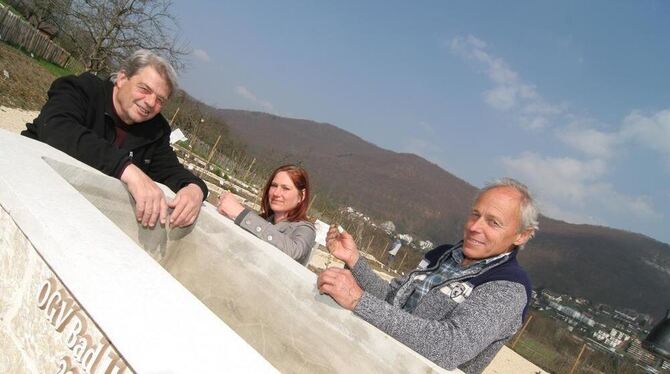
column 297, row 242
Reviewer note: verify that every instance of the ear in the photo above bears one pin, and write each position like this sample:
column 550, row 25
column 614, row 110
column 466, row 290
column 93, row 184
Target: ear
column 522, row 237
column 121, row 78
column 302, row 195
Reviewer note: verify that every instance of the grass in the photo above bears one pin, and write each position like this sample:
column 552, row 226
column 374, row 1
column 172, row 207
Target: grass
column 54, row 69
column 538, row 353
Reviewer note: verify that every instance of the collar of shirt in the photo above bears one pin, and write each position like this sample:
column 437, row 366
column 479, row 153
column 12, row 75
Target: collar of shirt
column 457, row 255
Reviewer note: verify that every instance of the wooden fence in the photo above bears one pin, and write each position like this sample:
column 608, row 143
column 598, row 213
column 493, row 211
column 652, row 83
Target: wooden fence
column 15, row 30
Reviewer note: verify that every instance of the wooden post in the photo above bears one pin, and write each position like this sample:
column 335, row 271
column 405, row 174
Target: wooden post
column 246, row 175
column 518, row 336
column 403, row 260
column 574, row 367
column 174, row 116
column 367, row 248
column 195, row 131
column 211, row 153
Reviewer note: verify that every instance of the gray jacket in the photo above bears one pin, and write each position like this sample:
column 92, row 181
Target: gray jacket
column 465, row 331
column 296, row 239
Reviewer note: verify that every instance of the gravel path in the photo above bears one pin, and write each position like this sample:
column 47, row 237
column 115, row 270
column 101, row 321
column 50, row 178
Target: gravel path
column 15, row 120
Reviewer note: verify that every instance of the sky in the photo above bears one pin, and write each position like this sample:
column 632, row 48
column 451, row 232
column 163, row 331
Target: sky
column 571, row 97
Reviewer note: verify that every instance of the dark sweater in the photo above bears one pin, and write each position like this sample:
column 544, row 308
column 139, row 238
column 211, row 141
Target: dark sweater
column 79, row 119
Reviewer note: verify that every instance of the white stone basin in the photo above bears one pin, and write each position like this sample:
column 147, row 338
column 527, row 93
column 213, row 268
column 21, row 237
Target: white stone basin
column 210, row 298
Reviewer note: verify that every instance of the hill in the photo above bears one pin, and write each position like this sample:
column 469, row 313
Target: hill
column 605, row 265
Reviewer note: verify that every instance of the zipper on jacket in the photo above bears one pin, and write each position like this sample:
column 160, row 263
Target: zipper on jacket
column 130, row 155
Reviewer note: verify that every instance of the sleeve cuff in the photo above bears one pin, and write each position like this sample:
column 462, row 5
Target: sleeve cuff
column 122, row 169
column 240, row 217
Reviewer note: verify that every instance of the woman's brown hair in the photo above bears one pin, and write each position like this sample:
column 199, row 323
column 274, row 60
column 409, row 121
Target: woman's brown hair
column 300, row 179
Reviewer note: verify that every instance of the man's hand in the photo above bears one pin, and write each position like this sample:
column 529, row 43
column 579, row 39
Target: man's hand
column 150, row 204
column 229, row 206
column 186, row 206
column 341, row 286
column 342, row 246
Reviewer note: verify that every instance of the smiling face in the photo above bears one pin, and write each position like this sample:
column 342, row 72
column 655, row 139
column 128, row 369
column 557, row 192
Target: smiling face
column 493, row 225
column 283, row 195
column 141, row 97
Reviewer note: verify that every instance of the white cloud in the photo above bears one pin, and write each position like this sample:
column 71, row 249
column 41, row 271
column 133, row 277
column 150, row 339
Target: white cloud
column 648, row 131
column 509, row 91
column 573, row 190
column 533, row 123
column 652, row 132
column 501, row 97
column 540, row 107
column 565, row 178
column 201, row 55
column 589, row 141
column 247, row 94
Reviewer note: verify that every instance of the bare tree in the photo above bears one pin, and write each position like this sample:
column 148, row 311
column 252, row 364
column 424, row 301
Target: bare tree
column 103, row 32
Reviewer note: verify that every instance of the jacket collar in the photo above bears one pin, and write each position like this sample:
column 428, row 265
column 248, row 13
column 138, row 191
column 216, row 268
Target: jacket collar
column 442, row 253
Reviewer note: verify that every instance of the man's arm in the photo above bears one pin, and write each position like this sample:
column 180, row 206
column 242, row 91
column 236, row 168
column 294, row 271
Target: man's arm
column 165, row 168
column 61, row 124
column 150, row 204
column 371, row 282
column 190, row 190
column 342, row 246
column 491, row 313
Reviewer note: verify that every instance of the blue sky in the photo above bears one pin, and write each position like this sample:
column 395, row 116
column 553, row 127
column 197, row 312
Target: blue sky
column 570, row 97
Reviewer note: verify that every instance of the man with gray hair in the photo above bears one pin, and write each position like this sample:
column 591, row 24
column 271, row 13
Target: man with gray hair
column 463, row 301
column 116, row 127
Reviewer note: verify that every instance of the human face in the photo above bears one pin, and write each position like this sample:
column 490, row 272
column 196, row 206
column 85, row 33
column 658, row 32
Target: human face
column 141, row 97
column 284, row 196
column 493, row 224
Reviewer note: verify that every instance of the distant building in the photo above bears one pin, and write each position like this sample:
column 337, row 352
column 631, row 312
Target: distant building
column 406, row 238
column 612, row 339
column 639, row 353
column 426, row 245
column 572, row 313
column 626, row 316
column 551, row 296
column 581, row 301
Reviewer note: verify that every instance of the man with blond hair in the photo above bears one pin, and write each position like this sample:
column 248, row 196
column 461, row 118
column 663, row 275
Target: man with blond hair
column 463, row 301
column 116, row 127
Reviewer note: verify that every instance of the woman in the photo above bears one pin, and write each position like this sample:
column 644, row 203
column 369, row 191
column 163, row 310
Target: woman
column 283, row 219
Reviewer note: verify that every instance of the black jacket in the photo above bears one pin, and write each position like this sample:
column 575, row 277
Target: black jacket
column 79, row 119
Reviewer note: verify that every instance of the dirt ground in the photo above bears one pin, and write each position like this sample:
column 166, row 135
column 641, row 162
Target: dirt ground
column 14, row 120
column 23, row 82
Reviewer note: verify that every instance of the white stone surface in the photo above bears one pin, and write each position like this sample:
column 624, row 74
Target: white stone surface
column 155, row 323
column 40, row 318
